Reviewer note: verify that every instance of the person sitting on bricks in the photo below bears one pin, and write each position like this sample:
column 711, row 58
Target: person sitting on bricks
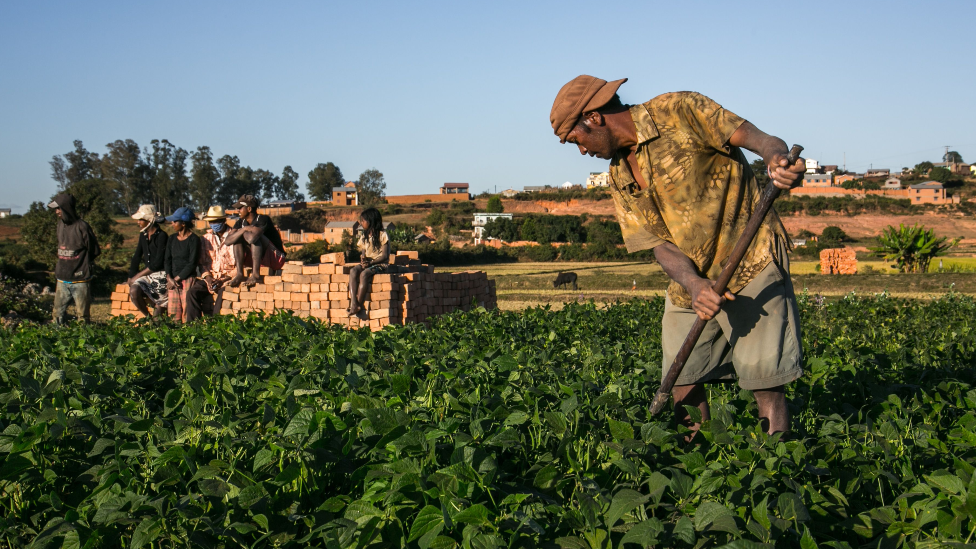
column 374, row 257
column 682, row 186
column 149, row 284
column 77, row 250
column 217, row 262
column 189, row 298
column 256, row 243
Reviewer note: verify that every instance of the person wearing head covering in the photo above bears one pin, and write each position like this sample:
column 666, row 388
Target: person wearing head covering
column 374, row 258
column 188, row 297
column 256, row 242
column 217, row 262
column 682, row 187
column 148, row 284
column 77, row 250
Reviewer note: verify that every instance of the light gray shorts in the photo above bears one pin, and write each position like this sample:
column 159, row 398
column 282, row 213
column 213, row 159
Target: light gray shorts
column 754, row 339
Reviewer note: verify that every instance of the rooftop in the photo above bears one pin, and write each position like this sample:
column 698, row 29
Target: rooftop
column 455, row 185
column 928, row 185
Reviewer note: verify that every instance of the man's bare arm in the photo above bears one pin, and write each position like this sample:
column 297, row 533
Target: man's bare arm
column 773, row 151
column 704, row 300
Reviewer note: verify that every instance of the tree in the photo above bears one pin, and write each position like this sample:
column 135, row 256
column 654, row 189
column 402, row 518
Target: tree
column 759, row 168
column 39, row 230
column 833, row 237
column 204, row 179
column 371, row 187
column 74, row 166
column 495, row 205
column 169, row 184
column 124, row 167
column 953, row 157
column 435, row 217
column 288, row 185
column 912, row 248
column 940, row 174
column 923, row 168
column 322, row 179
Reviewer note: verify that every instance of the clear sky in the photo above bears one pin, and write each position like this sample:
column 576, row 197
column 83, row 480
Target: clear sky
column 430, row 92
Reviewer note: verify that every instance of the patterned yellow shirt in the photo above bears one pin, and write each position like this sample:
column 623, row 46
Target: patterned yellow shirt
column 701, row 191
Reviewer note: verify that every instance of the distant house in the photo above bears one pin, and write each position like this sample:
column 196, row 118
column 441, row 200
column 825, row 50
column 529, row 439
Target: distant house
column 817, row 180
column 972, row 169
column 956, row 168
column 929, row 192
column 878, row 173
column 482, row 218
column 892, row 183
column 422, row 239
column 454, row 188
column 841, row 179
column 534, row 188
column 509, row 193
column 598, row 179
column 281, row 207
column 797, row 242
column 829, row 168
column 4, row 212
column 569, row 186
column 813, row 166
column 345, row 196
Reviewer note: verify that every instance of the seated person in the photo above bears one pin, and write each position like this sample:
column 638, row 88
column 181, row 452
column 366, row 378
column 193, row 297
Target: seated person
column 256, row 242
column 374, row 250
column 148, row 284
column 217, row 262
column 188, row 295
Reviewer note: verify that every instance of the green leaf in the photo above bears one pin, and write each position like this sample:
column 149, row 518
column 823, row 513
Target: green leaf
column 546, row 476
column 299, row 424
column 624, row 501
column 791, row 507
column 684, row 530
column 171, row 401
column 712, row 515
column 476, row 514
column 644, row 534
column 807, row 541
column 620, row 430
column 572, row 542
column 516, row 418
column 946, row 481
column 262, row 458
column 13, row 466
column 146, row 533
column 429, row 523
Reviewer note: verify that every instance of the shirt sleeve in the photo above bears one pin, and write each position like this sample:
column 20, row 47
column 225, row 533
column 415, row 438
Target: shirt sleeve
column 636, row 236
column 136, row 257
column 713, row 124
column 207, row 253
column 168, row 258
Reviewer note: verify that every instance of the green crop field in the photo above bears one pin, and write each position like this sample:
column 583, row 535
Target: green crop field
column 486, row 429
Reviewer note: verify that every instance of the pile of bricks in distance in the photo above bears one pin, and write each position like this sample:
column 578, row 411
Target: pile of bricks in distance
column 409, row 292
column 838, row 261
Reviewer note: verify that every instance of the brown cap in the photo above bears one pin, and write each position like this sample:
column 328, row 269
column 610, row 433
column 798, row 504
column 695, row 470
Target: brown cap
column 246, row 200
column 581, row 94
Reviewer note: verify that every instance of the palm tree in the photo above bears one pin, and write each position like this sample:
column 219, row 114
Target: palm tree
column 911, row 248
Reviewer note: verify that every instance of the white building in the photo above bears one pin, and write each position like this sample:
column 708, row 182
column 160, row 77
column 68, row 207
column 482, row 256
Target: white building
column 4, row 212
column 568, row 186
column 598, row 179
column 813, row 166
column 481, row 219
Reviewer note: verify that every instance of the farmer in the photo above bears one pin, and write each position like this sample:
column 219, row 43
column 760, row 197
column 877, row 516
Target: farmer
column 77, row 250
column 374, row 257
column 188, row 298
column 217, row 262
column 256, row 242
column 682, row 187
column 148, row 284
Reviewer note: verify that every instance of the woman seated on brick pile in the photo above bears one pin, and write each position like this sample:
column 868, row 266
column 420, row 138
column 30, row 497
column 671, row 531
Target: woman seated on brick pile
column 189, row 297
column 149, row 284
column 374, row 250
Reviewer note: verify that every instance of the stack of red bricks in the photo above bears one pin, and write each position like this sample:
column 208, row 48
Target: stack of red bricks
column 838, row 261
column 408, row 292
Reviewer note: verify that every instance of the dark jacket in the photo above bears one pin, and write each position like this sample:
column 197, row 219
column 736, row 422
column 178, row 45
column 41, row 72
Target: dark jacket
column 181, row 256
column 77, row 245
column 149, row 251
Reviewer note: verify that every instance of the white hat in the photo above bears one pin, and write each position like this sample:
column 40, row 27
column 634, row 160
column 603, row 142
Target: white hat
column 148, row 212
column 215, row 213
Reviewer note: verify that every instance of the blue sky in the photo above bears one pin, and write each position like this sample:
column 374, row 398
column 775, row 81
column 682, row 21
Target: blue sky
column 429, row 92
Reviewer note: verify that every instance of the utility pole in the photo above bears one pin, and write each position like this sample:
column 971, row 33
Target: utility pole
column 945, row 157
column 845, row 161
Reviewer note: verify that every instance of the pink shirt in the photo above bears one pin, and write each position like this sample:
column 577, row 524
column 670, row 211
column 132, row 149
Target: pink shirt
column 215, row 258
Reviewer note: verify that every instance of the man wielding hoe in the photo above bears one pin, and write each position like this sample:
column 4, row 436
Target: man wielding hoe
column 682, row 187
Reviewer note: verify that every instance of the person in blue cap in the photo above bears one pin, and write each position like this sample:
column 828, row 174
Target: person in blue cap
column 188, row 295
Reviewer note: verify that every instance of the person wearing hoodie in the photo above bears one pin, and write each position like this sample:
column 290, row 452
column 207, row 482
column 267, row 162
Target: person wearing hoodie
column 77, row 250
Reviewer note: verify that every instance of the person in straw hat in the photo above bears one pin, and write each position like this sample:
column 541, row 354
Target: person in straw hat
column 148, row 284
column 682, row 187
column 217, row 262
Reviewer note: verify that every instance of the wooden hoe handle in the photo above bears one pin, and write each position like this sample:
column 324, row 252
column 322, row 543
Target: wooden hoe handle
column 720, row 285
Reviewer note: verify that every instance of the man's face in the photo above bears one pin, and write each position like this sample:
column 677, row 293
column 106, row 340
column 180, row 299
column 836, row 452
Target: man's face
column 58, row 211
column 592, row 138
column 245, row 211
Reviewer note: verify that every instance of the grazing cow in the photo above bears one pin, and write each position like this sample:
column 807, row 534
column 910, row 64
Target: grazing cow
column 565, row 278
